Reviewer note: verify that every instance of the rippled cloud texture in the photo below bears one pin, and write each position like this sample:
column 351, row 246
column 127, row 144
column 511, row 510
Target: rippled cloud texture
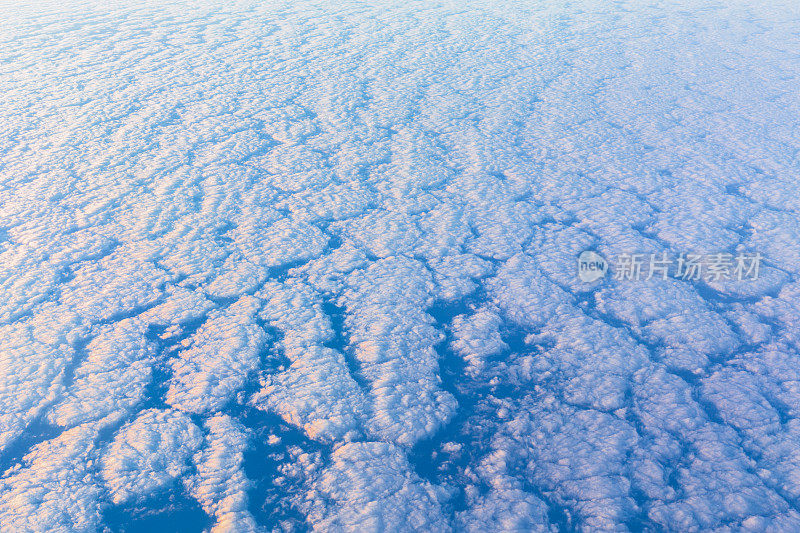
column 312, row 266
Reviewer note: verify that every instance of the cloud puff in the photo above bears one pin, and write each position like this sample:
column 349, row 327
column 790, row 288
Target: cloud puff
column 148, row 453
column 55, row 488
column 317, row 391
column 393, row 341
column 218, row 360
column 219, row 484
column 370, row 486
column 110, row 379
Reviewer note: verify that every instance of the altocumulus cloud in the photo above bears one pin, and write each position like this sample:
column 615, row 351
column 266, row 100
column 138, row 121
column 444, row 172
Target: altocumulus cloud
column 311, row 265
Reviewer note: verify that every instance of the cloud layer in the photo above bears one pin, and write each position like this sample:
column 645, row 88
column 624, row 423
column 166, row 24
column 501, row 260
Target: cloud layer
column 312, row 265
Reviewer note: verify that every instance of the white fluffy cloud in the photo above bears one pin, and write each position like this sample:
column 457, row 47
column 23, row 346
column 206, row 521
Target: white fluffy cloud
column 373, row 488
column 218, row 359
column 219, row 484
column 148, row 453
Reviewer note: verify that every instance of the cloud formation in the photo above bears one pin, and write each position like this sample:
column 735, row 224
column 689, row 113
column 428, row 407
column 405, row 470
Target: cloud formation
column 312, row 264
